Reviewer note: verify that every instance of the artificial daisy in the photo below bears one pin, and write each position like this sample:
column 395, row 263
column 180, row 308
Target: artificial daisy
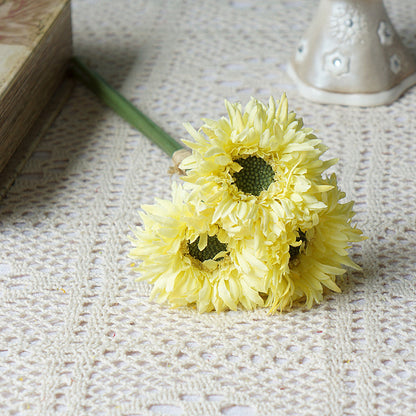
column 259, row 169
column 190, row 260
column 316, row 255
column 260, row 228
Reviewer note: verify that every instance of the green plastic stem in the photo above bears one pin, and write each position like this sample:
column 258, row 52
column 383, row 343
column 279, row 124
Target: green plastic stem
column 123, row 107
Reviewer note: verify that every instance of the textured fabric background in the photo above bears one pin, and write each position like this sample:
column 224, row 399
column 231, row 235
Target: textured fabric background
column 78, row 336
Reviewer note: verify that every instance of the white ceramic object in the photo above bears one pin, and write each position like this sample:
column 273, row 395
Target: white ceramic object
column 352, row 55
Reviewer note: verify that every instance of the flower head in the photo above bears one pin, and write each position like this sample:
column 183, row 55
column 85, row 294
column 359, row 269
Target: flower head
column 256, row 224
column 261, row 165
column 316, row 255
column 190, row 260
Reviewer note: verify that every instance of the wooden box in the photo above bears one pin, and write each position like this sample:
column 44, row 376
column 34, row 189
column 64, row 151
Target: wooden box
column 35, row 48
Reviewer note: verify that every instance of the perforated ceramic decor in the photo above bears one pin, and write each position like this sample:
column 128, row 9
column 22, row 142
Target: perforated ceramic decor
column 78, row 335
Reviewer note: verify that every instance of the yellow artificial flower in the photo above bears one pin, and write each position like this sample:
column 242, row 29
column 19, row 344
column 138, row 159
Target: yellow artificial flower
column 316, row 255
column 190, row 260
column 260, row 228
column 259, row 169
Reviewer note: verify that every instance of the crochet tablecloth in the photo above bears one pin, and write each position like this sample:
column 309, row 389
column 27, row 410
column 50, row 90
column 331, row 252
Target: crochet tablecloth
column 79, row 336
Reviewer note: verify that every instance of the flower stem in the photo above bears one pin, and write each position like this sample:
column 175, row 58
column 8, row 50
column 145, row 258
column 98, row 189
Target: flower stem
column 123, row 107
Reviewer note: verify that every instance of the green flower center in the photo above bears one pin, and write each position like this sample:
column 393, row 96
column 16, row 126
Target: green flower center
column 294, row 251
column 213, row 247
column 255, row 176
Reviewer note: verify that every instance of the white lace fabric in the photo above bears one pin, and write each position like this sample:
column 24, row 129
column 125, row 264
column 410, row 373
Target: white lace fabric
column 78, row 335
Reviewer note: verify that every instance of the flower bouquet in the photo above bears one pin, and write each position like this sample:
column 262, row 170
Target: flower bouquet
column 254, row 222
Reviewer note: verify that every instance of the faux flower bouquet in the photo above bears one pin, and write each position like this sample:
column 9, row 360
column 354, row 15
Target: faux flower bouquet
column 254, row 224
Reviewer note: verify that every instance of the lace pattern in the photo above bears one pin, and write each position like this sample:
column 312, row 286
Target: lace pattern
column 80, row 337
